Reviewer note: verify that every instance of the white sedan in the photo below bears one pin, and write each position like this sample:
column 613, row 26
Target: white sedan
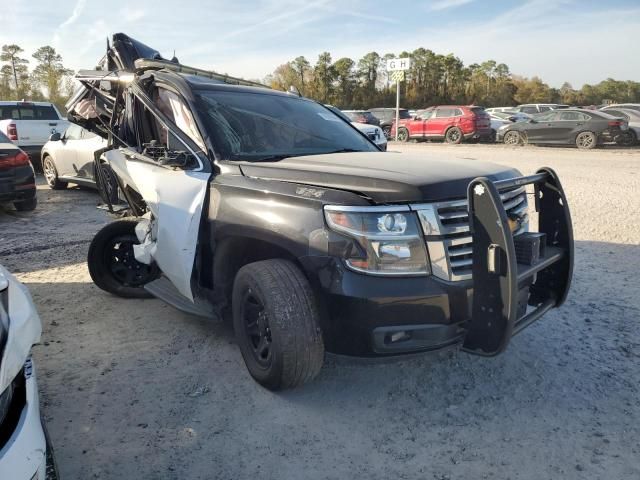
column 22, row 440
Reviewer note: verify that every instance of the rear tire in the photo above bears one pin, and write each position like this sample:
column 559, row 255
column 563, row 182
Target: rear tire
column 453, row 136
column 26, row 205
column 51, row 174
column 403, row 135
column 586, row 140
column 112, row 264
column 629, row 139
column 277, row 324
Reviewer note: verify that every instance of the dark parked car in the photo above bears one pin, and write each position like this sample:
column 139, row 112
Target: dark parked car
column 387, row 116
column 361, row 116
column 584, row 128
column 17, row 178
column 264, row 204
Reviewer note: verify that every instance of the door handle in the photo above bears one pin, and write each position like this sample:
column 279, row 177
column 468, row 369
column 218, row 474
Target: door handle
column 53, row 124
column 578, row 124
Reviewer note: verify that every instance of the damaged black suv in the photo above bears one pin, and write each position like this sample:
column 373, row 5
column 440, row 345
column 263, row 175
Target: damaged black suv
column 270, row 206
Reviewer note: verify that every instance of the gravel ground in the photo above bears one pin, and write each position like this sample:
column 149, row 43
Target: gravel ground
column 135, row 389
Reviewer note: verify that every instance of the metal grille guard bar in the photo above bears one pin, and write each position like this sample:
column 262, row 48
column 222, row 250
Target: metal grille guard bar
column 500, row 283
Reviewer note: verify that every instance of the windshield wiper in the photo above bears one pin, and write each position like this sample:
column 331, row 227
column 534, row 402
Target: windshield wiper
column 343, row 150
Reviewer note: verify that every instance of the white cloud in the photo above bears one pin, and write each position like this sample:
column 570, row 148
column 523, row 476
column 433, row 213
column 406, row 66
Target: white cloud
column 446, row 4
column 77, row 10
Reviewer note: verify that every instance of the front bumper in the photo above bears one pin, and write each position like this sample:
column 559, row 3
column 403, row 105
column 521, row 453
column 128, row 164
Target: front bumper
column 23, row 456
column 511, row 286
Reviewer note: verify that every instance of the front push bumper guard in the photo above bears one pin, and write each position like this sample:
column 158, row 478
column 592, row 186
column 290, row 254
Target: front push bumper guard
column 499, row 280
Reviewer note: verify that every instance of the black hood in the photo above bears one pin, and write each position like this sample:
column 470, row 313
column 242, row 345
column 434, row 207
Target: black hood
column 383, row 177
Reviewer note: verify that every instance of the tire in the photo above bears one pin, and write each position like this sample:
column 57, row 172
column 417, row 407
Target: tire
column 453, row 136
column 26, row 205
column 403, row 135
column 387, row 131
column 629, row 139
column 586, row 140
column 51, row 174
column 277, row 324
column 513, row 137
column 112, row 265
column 107, row 185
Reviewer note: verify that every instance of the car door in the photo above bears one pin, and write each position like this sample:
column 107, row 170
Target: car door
column 436, row 125
column 174, row 195
column 567, row 125
column 85, row 164
column 66, row 154
column 421, row 121
column 540, row 128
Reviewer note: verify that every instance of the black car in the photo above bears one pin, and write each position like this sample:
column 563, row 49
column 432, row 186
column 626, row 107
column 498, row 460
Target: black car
column 265, row 205
column 17, row 178
column 387, row 116
column 572, row 126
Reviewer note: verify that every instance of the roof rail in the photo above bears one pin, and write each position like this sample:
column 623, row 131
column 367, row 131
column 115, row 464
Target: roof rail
column 145, row 64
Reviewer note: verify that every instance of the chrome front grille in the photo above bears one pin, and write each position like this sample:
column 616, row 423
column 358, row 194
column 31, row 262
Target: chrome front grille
column 446, row 228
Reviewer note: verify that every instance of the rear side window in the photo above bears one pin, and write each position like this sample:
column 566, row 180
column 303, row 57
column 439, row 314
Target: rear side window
column 28, row 112
column 529, row 110
column 573, row 116
column 445, row 112
column 545, row 109
column 369, row 116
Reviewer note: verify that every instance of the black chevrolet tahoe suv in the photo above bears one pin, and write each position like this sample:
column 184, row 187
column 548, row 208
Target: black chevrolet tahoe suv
column 270, row 207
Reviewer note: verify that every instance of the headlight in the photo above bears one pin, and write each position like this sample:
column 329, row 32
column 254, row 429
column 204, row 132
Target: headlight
column 389, row 239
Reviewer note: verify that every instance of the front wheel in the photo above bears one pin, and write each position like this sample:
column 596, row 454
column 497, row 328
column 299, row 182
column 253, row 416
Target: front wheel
column 513, row 138
column 112, row 263
column 277, row 324
column 586, row 140
column 387, row 132
column 51, row 174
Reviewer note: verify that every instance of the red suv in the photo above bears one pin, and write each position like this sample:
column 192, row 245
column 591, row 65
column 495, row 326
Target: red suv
column 453, row 123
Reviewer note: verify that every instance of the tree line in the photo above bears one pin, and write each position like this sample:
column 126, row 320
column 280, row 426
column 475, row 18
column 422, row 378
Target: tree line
column 48, row 80
column 433, row 79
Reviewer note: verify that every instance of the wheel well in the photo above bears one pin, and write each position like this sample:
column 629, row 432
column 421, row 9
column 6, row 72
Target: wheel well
column 234, row 253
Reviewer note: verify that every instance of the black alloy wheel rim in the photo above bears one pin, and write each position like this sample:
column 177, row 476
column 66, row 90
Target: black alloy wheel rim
column 256, row 329
column 454, row 135
column 121, row 262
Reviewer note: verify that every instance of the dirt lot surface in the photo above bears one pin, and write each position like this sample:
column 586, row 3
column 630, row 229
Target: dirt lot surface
column 134, row 389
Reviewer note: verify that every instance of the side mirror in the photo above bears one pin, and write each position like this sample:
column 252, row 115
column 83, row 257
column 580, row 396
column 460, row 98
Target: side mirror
column 55, row 137
column 176, row 159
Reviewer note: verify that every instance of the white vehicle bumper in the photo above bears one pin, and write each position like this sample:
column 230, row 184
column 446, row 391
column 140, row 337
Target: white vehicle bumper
column 23, row 457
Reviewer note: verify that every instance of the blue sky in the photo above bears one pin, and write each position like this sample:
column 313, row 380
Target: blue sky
column 580, row 41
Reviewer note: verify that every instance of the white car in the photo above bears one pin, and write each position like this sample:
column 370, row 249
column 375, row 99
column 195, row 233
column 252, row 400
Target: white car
column 29, row 125
column 22, row 440
column 375, row 133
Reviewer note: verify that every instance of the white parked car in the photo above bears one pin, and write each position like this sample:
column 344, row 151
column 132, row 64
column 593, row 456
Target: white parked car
column 29, row 125
column 22, row 440
column 375, row 133
column 499, row 109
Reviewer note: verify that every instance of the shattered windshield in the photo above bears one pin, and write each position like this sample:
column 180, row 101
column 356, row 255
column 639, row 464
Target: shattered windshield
column 262, row 127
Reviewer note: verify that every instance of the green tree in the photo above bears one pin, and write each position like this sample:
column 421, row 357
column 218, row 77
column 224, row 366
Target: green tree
column 10, row 53
column 302, row 67
column 345, row 82
column 49, row 72
column 323, row 78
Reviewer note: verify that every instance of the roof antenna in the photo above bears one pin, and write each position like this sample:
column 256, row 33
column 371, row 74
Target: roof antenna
column 174, row 59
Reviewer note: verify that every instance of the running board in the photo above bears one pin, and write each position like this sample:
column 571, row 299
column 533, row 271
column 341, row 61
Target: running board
column 165, row 291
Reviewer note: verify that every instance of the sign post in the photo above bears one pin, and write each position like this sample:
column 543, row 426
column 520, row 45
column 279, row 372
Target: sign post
column 398, row 66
